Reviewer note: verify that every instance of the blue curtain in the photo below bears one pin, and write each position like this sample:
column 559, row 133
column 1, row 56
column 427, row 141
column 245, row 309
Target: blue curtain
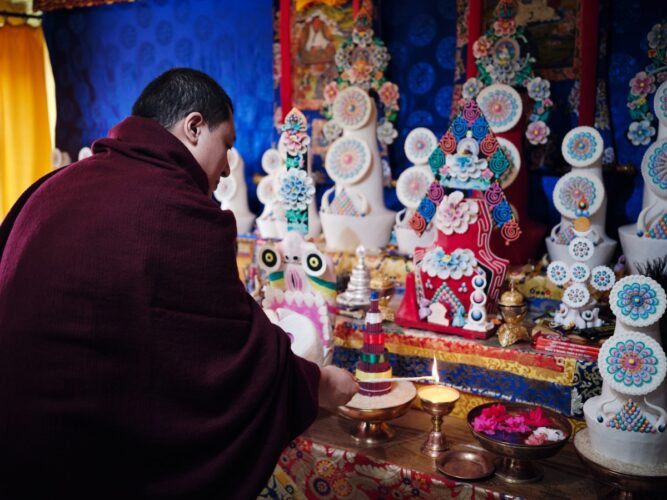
column 103, row 57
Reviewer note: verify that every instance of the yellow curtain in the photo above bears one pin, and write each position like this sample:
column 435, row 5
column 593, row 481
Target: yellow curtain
column 25, row 142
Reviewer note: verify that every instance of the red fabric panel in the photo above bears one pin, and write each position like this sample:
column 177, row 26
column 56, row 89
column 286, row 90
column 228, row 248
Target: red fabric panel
column 474, row 32
column 285, row 57
column 588, row 30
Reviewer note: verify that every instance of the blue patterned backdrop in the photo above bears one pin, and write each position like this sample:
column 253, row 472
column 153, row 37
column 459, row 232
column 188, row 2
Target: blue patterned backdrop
column 102, row 57
column 422, row 44
column 628, row 25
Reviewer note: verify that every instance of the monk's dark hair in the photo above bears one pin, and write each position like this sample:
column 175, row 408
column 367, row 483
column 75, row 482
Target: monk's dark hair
column 180, row 91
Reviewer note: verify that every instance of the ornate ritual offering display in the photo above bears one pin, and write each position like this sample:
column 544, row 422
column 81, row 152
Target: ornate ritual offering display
column 499, row 60
column 232, row 193
column 358, row 292
column 381, row 397
column 627, row 422
column 457, row 279
column 288, row 192
column 505, row 67
column 353, row 211
column 272, row 216
column 374, row 362
column 643, row 84
column 647, row 239
column 513, row 308
column 411, row 187
column 301, row 293
column 578, row 309
column 581, row 194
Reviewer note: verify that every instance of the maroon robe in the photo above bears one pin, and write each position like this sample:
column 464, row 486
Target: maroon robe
column 132, row 361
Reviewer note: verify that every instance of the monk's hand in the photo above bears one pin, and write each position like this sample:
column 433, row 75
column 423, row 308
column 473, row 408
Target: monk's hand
column 337, row 386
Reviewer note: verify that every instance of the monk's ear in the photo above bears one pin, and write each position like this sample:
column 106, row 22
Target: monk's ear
column 191, row 127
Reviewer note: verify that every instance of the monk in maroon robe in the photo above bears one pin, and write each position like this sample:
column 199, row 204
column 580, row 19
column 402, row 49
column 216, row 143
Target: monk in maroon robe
column 133, row 364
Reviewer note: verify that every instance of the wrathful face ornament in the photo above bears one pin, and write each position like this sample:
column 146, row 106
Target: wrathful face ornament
column 301, row 294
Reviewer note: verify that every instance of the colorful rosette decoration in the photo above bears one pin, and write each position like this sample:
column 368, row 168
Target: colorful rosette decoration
column 468, row 156
column 632, row 363
column 644, row 83
column 361, row 62
column 498, row 59
column 295, row 188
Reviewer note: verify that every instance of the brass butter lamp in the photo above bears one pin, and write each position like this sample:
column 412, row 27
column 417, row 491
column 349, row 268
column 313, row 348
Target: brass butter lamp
column 438, row 401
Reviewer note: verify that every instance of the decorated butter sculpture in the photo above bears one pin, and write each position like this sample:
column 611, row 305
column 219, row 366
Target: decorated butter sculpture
column 581, row 193
column 457, row 279
column 374, row 358
column 232, row 193
column 499, row 60
column 285, row 188
column 505, row 68
column 272, row 215
column 353, row 211
column 578, row 309
column 627, row 421
column 647, row 239
column 411, row 187
column 301, row 293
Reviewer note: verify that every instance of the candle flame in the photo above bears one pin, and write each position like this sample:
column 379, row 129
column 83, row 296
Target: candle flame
column 434, row 371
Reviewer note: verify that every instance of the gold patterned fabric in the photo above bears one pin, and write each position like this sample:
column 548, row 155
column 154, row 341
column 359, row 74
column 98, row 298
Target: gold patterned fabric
column 479, row 367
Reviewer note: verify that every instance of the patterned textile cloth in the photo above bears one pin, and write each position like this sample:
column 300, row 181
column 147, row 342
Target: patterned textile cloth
column 317, row 471
column 481, row 368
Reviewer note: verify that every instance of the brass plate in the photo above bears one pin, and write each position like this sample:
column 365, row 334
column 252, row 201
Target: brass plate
column 465, row 465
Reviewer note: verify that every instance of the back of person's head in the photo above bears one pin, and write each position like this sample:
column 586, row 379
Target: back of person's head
column 180, row 91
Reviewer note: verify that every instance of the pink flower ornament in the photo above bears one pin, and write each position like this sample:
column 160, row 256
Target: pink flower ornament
column 424, row 309
column 481, row 47
column 455, row 214
column 389, row 94
column 642, row 84
column 296, row 144
column 330, row 92
column 537, row 132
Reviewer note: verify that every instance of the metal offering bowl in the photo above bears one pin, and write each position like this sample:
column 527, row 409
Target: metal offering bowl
column 515, row 464
column 372, row 428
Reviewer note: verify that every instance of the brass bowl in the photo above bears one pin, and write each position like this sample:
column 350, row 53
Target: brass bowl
column 372, row 428
column 515, row 464
column 465, row 464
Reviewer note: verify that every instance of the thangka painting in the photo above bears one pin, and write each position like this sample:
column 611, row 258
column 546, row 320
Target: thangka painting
column 552, row 28
column 318, row 28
